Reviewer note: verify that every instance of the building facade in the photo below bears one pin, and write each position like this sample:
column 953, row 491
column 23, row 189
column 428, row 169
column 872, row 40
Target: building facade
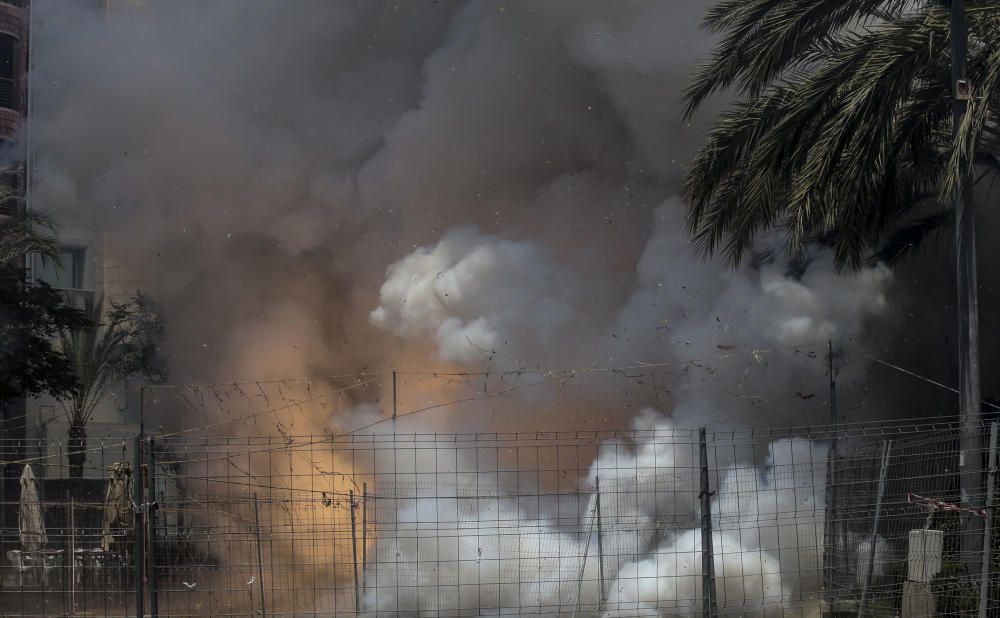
column 14, row 27
column 39, row 426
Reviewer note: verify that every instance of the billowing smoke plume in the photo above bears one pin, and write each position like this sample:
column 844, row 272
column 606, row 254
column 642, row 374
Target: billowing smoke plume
column 316, row 188
column 470, row 542
column 476, row 297
column 488, row 301
column 257, row 166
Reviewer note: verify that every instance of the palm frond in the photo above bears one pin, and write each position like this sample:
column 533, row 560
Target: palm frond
column 97, row 354
column 908, row 238
column 968, row 136
column 841, row 125
column 763, row 39
column 27, row 231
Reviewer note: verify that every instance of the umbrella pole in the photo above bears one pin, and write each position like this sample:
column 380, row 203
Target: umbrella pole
column 137, row 536
column 72, row 554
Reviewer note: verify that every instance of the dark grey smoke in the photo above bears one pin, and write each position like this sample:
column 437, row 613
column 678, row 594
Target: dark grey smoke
column 315, row 187
column 258, row 165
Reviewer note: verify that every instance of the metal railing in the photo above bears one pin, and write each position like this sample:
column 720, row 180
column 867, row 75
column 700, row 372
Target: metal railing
column 663, row 521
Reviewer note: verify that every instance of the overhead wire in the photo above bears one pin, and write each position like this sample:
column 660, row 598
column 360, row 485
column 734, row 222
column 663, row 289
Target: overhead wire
column 925, row 379
column 550, row 375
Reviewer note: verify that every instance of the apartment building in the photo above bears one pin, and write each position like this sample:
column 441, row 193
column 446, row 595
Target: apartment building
column 87, row 270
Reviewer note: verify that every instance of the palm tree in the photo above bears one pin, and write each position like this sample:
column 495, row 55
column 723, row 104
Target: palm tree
column 112, row 345
column 24, row 232
column 840, row 132
column 100, row 355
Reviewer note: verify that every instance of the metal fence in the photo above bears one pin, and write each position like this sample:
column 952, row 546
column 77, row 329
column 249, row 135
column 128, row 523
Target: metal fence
column 657, row 521
column 894, row 541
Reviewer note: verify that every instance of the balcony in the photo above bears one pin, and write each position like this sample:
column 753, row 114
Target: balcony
column 79, row 299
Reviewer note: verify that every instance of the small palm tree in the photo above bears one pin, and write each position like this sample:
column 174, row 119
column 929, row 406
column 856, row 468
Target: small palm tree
column 113, row 345
column 100, row 357
column 841, row 128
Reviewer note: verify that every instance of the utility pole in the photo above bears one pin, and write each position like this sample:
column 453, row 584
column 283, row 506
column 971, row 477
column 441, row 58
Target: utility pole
column 970, row 448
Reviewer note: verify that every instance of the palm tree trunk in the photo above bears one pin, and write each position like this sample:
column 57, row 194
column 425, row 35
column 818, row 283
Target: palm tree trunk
column 77, row 454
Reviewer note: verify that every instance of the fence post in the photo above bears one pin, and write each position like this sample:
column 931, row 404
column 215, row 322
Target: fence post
column 709, row 602
column 984, row 583
column 831, row 524
column 354, row 552
column 600, row 536
column 72, row 552
column 151, row 524
column 364, row 537
column 870, row 564
column 830, row 536
column 260, row 556
column 138, row 527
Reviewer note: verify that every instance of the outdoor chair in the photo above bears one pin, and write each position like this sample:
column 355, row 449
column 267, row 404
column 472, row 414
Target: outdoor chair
column 51, row 561
column 89, row 565
column 24, row 564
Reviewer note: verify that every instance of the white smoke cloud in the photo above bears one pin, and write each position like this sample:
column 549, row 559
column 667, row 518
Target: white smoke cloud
column 466, row 543
column 767, row 521
column 669, row 580
column 759, row 305
column 478, row 298
column 475, row 296
column 508, row 303
column 477, row 554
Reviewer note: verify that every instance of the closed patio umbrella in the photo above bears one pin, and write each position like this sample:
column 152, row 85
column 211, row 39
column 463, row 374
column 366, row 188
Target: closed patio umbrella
column 30, row 521
column 117, row 504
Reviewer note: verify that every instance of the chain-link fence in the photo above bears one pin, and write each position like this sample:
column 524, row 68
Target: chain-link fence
column 61, row 551
column 654, row 521
column 895, row 539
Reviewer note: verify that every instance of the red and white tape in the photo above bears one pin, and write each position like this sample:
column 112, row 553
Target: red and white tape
column 944, row 506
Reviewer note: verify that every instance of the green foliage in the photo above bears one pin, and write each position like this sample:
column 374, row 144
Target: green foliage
column 141, row 320
column 30, row 317
column 840, row 131
column 123, row 341
column 26, row 232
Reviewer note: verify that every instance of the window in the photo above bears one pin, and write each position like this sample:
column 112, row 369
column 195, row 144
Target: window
column 68, row 275
column 8, row 71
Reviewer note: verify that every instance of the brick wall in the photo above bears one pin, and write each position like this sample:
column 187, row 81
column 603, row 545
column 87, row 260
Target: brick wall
column 13, row 21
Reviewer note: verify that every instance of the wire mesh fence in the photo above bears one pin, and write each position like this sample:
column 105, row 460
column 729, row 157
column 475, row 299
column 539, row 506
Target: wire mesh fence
column 895, row 538
column 656, row 521
column 61, row 550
